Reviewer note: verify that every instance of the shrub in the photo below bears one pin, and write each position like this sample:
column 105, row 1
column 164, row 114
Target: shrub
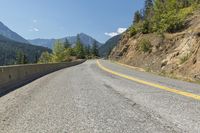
column 145, row 45
column 184, row 58
column 146, row 27
column 183, row 13
column 133, row 31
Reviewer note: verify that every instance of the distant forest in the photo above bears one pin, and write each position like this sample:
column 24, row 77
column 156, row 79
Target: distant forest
column 12, row 52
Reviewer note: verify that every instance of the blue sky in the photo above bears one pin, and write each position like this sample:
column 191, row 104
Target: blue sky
column 59, row 18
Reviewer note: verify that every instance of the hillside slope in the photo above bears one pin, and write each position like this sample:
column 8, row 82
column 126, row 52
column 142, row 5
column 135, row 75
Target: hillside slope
column 9, row 49
column 106, row 48
column 176, row 54
column 5, row 31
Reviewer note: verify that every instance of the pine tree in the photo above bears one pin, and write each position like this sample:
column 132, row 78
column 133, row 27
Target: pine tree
column 79, row 49
column 148, row 9
column 36, row 58
column 21, row 58
column 25, row 59
column 45, row 58
column 67, row 44
column 58, row 52
column 95, row 51
column 88, row 51
column 137, row 17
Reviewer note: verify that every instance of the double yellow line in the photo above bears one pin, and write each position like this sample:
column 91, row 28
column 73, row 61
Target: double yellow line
column 183, row 93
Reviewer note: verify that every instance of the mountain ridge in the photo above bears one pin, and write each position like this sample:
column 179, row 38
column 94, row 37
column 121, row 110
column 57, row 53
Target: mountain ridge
column 8, row 33
column 9, row 49
column 85, row 39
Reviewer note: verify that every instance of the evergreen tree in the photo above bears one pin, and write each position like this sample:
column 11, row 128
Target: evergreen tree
column 88, row 51
column 137, row 17
column 95, row 51
column 67, row 44
column 58, row 52
column 36, row 58
column 79, row 49
column 163, row 16
column 148, row 9
column 21, row 58
column 167, row 16
column 45, row 58
column 25, row 59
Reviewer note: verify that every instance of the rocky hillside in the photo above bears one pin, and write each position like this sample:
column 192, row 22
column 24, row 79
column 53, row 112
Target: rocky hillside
column 173, row 54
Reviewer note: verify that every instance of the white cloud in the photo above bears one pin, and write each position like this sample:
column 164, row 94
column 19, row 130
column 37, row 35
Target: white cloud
column 111, row 34
column 34, row 29
column 119, row 31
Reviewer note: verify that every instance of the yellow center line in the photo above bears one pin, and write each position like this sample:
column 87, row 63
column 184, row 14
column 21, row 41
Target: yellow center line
column 183, row 93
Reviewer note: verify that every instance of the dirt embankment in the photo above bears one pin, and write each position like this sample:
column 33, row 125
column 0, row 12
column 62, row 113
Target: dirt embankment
column 176, row 54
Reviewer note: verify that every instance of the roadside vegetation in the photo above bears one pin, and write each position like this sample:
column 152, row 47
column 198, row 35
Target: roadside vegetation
column 65, row 52
column 145, row 45
column 160, row 16
column 184, row 58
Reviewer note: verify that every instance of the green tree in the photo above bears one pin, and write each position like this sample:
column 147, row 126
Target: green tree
column 95, row 51
column 71, row 51
column 79, row 49
column 163, row 16
column 58, row 52
column 67, row 54
column 36, row 58
column 21, row 58
column 148, row 9
column 146, row 27
column 45, row 58
column 88, row 51
column 67, row 44
column 25, row 59
column 166, row 16
column 137, row 17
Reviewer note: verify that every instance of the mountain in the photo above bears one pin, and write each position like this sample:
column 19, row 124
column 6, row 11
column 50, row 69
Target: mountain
column 43, row 42
column 9, row 49
column 85, row 39
column 106, row 48
column 6, row 32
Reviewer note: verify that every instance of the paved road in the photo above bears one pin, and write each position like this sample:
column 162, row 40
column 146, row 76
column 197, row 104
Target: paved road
column 87, row 99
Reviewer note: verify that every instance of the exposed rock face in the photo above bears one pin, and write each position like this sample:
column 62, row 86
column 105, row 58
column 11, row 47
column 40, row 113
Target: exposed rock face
column 177, row 53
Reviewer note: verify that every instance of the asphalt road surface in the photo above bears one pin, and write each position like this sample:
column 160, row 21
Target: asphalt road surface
column 88, row 99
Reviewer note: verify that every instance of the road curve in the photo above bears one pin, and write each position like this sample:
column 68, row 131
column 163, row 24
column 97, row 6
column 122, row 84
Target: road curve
column 88, row 99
